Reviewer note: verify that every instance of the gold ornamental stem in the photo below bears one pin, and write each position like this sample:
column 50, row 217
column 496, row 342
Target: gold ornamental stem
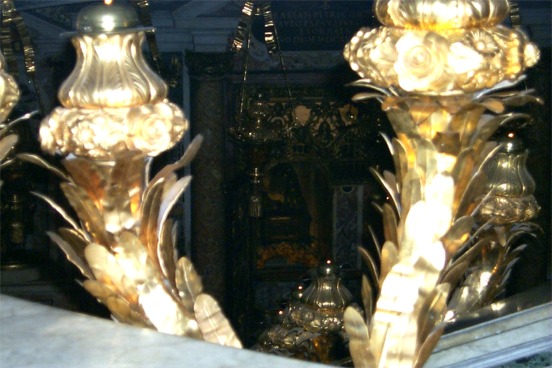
column 114, row 118
column 435, row 64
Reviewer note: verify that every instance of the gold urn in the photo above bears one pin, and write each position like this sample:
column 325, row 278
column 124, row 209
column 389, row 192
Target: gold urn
column 112, row 101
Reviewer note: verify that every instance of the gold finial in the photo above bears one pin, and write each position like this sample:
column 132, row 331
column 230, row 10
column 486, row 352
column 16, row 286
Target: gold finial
column 441, row 14
column 107, row 18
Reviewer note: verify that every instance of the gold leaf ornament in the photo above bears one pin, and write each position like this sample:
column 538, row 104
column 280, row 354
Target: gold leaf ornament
column 212, row 323
column 188, row 282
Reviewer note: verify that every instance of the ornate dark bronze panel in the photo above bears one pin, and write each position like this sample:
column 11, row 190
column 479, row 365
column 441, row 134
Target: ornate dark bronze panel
column 301, row 177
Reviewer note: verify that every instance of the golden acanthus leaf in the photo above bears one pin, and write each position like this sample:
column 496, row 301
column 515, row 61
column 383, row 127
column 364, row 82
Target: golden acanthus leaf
column 88, row 176
column 186, row 158
column 117, row 213
column 63, row 214
column 391, row 191
column 166, row 313
column 148, row 219
column 359, row 338
column 474, row 187
column 390, row 224
column 389, row 258
column 6, row 145
column 132, row 257
column 457, row 235
column 170, row 198
column 432, row 323
column 370, row 263
column 75, row 238
column 411, row 192
column 212, row 323
column 462, row 172
column 426, row 159
column 121, row 310
column 188, row 282
column 167, row 253
column 73, row 255
column 432, row 312
column 367, row 295
column 400, row 159
column 41, row 162
column 391, row 180
column 107, row 270
column 454, row 273
column 88, row 213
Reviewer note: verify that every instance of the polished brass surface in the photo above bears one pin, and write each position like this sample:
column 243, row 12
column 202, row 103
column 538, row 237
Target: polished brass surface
column 437, row 67
column 114, row 118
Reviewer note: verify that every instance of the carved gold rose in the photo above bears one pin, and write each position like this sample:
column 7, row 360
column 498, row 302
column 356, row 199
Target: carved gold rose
column 153, row 128
column 104, row 133
column 421, row 62
column 431, row 62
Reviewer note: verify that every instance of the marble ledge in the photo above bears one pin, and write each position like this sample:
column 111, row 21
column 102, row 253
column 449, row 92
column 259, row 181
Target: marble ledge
column 34, row 335
column 497, row 341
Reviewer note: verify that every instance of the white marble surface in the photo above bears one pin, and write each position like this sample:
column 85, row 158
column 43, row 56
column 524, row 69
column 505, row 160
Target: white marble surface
column 498, row 341
column 33, row 335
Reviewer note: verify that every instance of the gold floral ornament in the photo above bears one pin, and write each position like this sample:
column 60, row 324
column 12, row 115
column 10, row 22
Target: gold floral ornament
column 440, row 47
column 115, row 117
column 438, row 67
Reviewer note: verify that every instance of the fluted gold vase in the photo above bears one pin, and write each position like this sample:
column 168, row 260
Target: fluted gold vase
column 438, row 67
column 114, row 118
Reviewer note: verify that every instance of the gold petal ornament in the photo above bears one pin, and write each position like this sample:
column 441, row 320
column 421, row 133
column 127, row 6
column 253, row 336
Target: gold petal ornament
column 114, row 118
column 437, row 67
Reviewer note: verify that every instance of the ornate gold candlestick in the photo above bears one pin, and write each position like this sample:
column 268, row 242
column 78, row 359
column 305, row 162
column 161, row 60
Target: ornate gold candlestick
column 506, row 213
column 115, row 118
column 435, row 64
column 311, row 326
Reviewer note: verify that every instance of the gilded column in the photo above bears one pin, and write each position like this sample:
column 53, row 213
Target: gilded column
column 206, row 72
